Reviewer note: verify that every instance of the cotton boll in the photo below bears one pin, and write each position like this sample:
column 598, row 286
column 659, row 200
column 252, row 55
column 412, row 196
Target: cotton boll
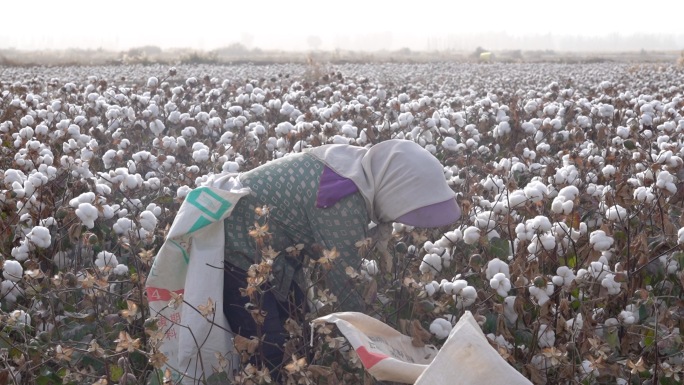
column 561, row 205
column 600, row 241
column 465, row 297
column 106, row 259
column 609, row 283
column 87, row 213
column 441, row 328
column 431, row 288
column 157, row 127
column 497, row 266
column 370, row 266
column 501, row 284
column 21, row 252
column 453, row 287
column 123, row 225
column 148, row 220
column 120, row 270
column 432, row 263
column 19, row 319
column 542, row 294
column 509, row 309
column 546, row 337
column 182, row 192
column 616, row 213
column 627, row 317
column 564, row 276
column 535, row 191
column 88, row 197
column 10, row 291
column 450, row 144
column 12, row 270
column 471, row 235
column 40, row 237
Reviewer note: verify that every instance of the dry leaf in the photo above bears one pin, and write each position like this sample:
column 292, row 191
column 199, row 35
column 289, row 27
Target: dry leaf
column 208, row 309
column 419, row 336
column 297, row 364
column 371, row 292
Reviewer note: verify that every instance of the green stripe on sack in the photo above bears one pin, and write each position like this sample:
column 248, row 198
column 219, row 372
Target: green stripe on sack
column 208, row 202
column 185, row 254
column 201, row 222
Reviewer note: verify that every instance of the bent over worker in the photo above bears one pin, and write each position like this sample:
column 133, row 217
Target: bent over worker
column 323, row 199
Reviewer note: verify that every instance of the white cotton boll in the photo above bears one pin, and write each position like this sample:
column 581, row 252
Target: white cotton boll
column 516, row 198
column 562, row 205
column 450, row 144
column 531, row 106
column 148, row 220
column 152, row 82
column 501, row 284
column 616, row 213
column 665, row 181
column 644, row 194
column 190, row 131
column 569, row 192
column 370, row 266
column 542, row 295
column 471, row 235
column 535, row 191
column 627, row 317
column 454, row 287
column 19, row 319
column 598, row 270
column 88, row 197
column 87, row 213
column 40, row 237
column 10, row 291
column 157, row 127
column 546, row 337
column 466, row 297
column 12, row 270
column 432, row 263
column 441, row 328
column 120, row 269
column 431, row 288
column 565, row 276
column 609, row 283
column 123, row 225
column 21, row 252
column 608, row 171
column 105, row 258
column 509, row 309
column 182, row 192
column 497, row 266
column 600, row 241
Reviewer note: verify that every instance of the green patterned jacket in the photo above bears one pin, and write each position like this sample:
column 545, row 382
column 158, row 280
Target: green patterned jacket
column 288, row 187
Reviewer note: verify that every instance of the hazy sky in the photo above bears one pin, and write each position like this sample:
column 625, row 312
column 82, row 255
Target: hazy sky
column 286, row 25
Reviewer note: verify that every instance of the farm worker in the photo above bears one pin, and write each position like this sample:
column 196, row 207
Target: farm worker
column 317, row 201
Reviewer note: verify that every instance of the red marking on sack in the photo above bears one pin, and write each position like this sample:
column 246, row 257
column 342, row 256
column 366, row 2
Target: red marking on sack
column 369, row 359
column 158, row 294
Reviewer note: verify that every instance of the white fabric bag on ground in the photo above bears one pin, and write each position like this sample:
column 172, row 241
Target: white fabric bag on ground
column 465, row 358
column 190, row 262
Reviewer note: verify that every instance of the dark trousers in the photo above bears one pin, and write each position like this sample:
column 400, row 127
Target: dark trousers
column 241, row 321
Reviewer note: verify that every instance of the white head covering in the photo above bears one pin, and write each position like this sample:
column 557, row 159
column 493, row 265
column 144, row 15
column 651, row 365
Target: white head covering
column 395, row 176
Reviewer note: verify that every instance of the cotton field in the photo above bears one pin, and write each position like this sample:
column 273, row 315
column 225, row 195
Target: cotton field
column 570, row 178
